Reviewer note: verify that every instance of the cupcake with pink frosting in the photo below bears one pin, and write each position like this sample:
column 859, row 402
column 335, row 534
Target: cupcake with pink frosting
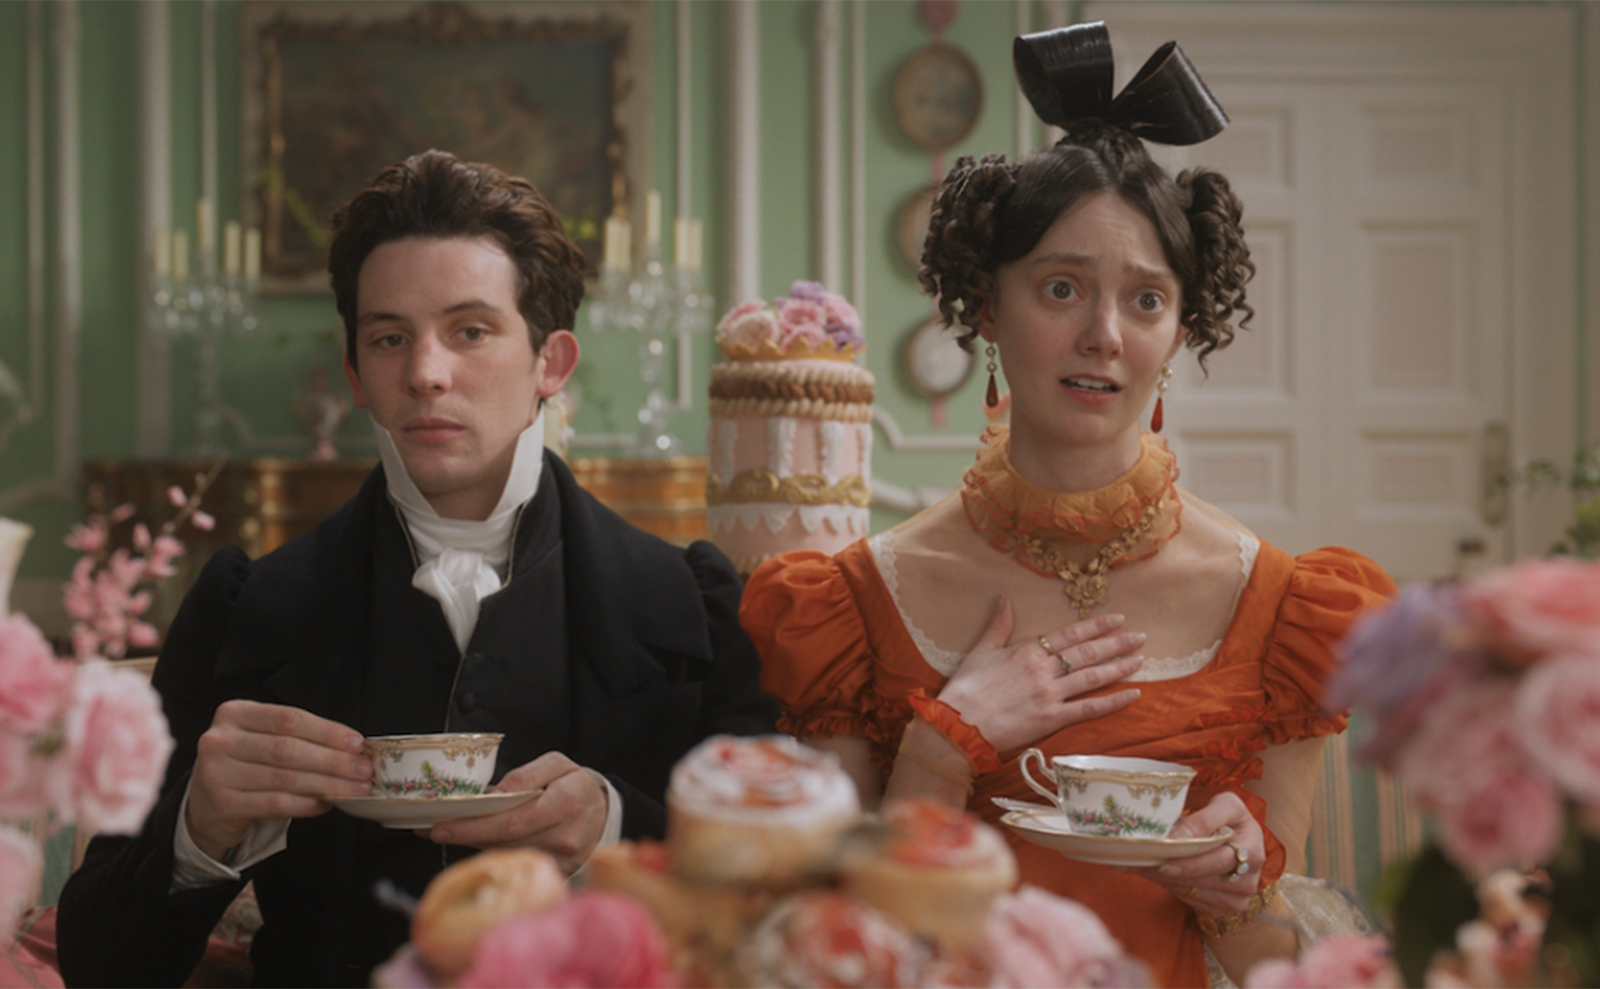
column 938, row 872
column 763, row 811
column 828, row 940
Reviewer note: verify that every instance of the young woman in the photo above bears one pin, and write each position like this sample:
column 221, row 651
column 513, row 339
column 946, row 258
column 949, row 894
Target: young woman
column 1071, row 597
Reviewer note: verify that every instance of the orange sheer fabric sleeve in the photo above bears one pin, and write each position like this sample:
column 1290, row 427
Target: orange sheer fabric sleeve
column 815, row 657
column 1328, row 590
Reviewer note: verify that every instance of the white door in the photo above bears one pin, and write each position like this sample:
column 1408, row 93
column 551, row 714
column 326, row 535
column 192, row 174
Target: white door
column 1388, row 209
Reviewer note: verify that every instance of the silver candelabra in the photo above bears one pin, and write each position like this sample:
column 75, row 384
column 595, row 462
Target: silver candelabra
column 207, row 304
column 657, row 301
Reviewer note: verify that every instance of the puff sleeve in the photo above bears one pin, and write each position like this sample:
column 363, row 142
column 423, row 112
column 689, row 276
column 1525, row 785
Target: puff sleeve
column 816, row 660
column 1328, row 590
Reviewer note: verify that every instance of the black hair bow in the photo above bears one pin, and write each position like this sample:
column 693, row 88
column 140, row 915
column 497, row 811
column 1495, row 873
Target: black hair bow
column 1067, row 75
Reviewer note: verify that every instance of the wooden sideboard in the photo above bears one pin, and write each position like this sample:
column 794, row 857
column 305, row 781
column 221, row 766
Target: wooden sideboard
column 261, row 503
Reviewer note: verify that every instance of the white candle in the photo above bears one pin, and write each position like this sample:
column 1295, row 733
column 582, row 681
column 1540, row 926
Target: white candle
column 619, row 244
column 652, row 218
column 680, row 243
column 180, row 255
column 252, row 254
column 230, row 247
column 608, row 257
column 203, row 237
column 695, row 257
column 163, row 252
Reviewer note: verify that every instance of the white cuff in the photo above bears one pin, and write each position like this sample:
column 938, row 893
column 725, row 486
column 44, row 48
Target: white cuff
column 192, row 868
column 612, row 832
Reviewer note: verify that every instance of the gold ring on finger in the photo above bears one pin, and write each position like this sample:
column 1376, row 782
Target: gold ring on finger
column 1066, row 666
column 1192, row 890
column 1241, row 868
column 1044, row 644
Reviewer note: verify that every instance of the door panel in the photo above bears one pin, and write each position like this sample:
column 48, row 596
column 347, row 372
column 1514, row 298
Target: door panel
column 1379, row 194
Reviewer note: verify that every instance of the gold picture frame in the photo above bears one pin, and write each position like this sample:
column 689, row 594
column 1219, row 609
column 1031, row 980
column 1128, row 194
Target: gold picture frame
column 938, row 96
column 335, row 91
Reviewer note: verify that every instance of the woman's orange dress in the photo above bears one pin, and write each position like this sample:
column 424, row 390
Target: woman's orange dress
column 836, row 653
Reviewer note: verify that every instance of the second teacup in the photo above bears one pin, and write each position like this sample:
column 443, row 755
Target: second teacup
column 1108, row 795
column 450, row 764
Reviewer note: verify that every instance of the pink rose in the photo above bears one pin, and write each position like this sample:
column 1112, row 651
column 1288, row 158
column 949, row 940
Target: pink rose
column 1515, row 820
column 1036, row 938
column 21, row 781
column 20, row 870
column 595, row 938
column 801, row 320
column 35, row 681
column 116, row 749
column 1463, row 743
column 752, row 330
column 1537, row 606
column 1558, row 721
column 844, row 324
column 739, row 312
column 1336, row 962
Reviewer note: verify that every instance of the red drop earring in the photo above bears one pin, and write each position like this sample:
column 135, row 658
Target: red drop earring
column 992, row 397
column 1158, row 417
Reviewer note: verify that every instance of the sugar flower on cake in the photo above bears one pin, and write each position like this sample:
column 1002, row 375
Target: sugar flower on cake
column 748, row 325
column 810, row 322
column 838, row 317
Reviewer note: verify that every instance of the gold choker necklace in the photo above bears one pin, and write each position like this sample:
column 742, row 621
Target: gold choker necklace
column 1131, row 517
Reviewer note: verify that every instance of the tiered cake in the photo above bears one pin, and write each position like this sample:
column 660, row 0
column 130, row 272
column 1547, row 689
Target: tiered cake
column 790, row 452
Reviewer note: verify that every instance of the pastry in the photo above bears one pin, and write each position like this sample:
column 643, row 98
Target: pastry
column 937, row 872
column 828, row 940
column 763, row 811
column 468, row 898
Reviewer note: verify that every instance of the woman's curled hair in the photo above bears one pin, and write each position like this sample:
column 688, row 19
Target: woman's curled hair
column 989, row 213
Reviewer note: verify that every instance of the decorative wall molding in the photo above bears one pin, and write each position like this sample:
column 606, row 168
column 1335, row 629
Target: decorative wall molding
column 744, row 113
column 68, row 169
column 909, row 501
column 1022, row 110
column 1586, row 121
column 858, row 154
column 153, row 388
column 900, row 440
column 825, row 148
column 66, row 290
column 683, row 26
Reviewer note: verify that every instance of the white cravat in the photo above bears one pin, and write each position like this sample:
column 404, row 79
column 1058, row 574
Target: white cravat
column 461, row 562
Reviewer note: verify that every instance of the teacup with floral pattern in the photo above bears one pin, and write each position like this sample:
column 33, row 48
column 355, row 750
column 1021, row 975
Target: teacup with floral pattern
column 1111, row 796
column 450, row 764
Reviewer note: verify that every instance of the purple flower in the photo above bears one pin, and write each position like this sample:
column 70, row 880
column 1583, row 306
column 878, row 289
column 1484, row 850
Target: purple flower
column 809, row 291
column 1396, row 662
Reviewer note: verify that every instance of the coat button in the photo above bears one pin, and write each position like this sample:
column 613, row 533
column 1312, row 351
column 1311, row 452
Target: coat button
column 467, row 702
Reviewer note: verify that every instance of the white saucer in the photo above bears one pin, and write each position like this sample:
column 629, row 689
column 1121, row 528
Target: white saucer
column 411, row 813
column 1052, row 830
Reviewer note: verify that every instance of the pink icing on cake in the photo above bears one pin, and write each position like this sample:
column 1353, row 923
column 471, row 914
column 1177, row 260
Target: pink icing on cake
column 789, row 461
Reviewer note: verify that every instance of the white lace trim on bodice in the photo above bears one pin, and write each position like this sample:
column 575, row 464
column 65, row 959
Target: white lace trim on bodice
column 882, row 546
column 945, row 660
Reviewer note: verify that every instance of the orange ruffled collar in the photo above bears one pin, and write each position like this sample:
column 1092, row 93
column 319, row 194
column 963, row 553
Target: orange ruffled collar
column 1010, row 509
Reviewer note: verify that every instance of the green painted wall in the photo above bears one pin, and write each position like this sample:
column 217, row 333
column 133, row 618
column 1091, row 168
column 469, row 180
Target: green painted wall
column 302, row 333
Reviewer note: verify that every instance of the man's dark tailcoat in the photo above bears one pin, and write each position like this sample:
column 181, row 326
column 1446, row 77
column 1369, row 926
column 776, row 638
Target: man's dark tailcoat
column 606, row 644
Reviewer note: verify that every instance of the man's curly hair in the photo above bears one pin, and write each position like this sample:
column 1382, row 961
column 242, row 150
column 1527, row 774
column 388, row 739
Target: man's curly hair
column 990, row 213
column 434, row 194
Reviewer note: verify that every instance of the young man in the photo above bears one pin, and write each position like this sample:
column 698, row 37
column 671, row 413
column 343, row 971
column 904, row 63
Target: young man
column 469, row 586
